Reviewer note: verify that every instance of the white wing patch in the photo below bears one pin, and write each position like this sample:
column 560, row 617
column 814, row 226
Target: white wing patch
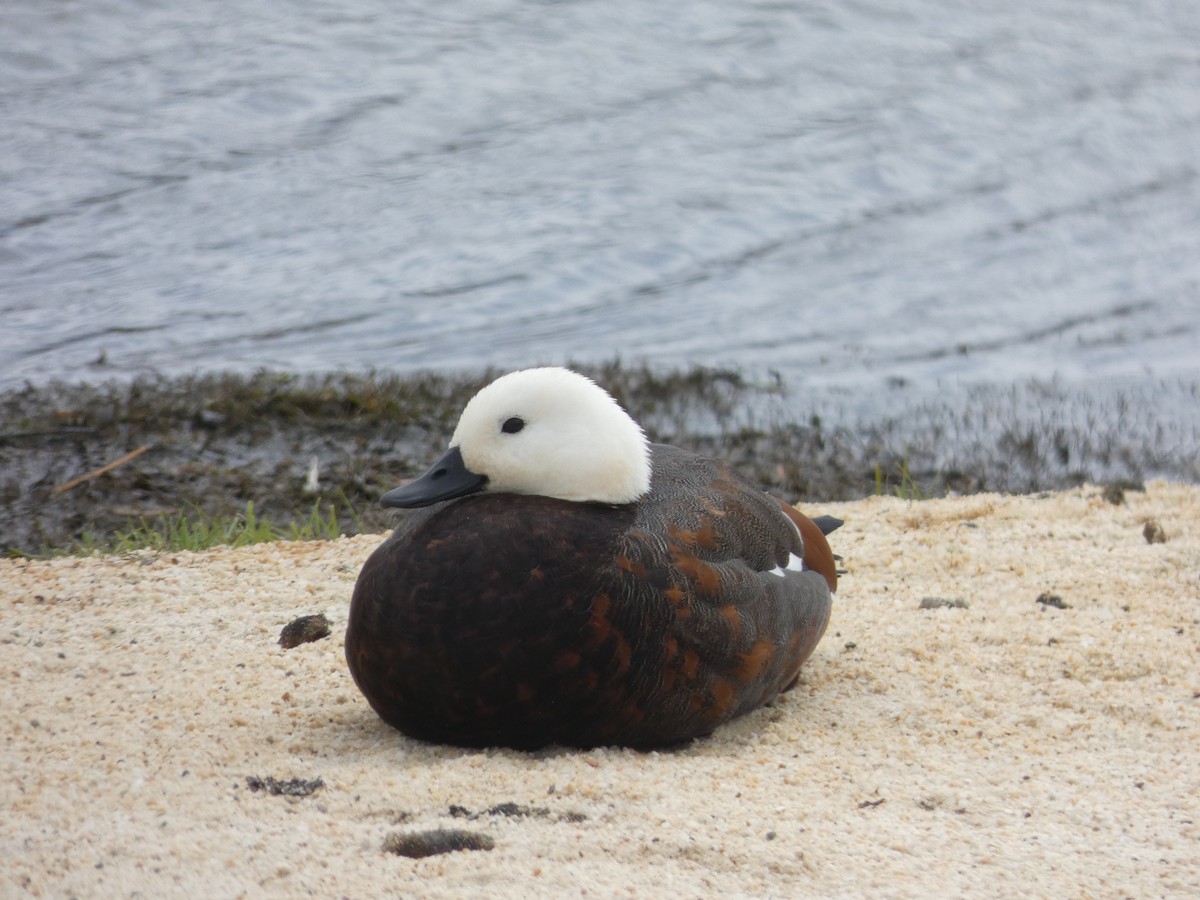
column 794, row 564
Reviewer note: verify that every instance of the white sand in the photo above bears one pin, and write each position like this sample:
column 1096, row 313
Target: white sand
column 1004, row 749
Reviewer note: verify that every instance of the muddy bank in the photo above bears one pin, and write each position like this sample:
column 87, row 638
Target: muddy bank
column 213, row 443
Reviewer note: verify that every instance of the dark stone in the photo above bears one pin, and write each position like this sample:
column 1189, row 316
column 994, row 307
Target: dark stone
column 1048, row 599
column 304, row 630
column 419, row 844
column 1153, row 532
column 293, row 787
column 944, row 603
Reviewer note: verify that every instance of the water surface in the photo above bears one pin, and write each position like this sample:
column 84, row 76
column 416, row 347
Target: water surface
column 862, row 197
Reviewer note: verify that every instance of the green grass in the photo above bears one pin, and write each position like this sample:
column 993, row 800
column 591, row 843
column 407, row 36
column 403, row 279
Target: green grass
column 900, row 484
column 196, row 530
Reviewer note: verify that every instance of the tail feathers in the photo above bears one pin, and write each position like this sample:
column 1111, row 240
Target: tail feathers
column 817, row 555
column 828, row 524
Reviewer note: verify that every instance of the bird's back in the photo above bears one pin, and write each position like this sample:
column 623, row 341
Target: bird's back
column 500, row 619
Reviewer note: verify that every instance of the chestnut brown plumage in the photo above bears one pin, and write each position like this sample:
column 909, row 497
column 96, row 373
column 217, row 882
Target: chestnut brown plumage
column 523, row 620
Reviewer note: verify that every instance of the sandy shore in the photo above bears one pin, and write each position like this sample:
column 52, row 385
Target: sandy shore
column 1008, row 747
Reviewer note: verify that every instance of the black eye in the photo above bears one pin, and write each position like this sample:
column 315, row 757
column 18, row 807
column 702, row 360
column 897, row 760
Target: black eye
column 513, row 425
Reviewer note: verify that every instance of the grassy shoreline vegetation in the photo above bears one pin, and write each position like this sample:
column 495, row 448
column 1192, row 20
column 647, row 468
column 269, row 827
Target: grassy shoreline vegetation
column 189, row 462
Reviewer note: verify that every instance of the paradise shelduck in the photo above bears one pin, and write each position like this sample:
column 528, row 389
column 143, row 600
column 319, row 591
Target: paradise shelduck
column 569, row 582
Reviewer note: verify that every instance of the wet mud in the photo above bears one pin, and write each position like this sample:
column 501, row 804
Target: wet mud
column 296, row 446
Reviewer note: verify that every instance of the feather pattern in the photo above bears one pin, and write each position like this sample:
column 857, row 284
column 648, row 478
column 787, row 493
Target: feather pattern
column 524, row 620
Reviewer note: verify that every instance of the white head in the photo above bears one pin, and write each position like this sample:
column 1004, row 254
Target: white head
column 551, row 432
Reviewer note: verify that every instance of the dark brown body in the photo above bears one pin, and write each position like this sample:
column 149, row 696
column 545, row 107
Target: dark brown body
column 499, row 619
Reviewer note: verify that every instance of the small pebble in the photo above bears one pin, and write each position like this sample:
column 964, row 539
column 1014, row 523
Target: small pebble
column 304, row 630
column 944, row 603
column 1153, row 532
column 419, row 844
column 1048, row 599
column 292, row 787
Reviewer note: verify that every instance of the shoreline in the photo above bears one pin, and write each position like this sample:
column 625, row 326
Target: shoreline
column 206, row 446
column 1008, row 746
